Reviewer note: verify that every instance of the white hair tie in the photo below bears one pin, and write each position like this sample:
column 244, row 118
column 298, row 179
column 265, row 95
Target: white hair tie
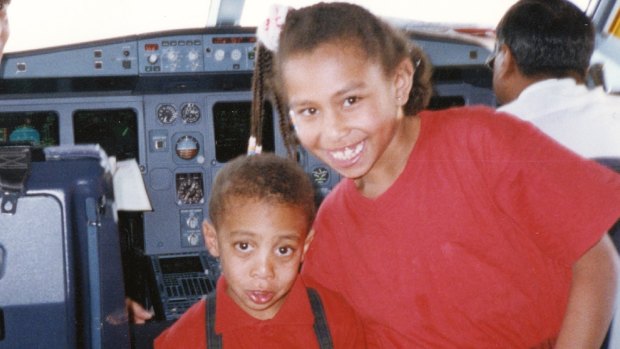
column 268, row 32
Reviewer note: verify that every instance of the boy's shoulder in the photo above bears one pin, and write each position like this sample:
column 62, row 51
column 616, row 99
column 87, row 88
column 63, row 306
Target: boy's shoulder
column 187, row 332
column 333, row 302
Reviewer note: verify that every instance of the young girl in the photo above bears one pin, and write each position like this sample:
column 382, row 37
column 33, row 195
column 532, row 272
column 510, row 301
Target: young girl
column 451, row 229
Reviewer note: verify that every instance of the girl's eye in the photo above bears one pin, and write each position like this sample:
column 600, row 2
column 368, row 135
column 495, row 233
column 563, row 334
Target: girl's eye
column 307, row 112
column 285, row 251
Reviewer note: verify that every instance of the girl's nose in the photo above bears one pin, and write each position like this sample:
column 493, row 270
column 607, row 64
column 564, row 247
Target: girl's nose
column 334, row 125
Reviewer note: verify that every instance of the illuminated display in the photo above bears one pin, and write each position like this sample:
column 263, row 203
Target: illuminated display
column 234, row 40
column 39, row 128
column 115, row 130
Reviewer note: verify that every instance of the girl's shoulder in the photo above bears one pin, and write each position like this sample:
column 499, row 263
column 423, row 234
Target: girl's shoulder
column 458, row 114
column 475, row 118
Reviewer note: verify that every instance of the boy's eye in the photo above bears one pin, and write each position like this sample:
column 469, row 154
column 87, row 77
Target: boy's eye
column 242, row 246
column 349, row 101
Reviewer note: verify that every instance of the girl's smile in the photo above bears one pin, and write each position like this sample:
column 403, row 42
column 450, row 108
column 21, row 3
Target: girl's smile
column 348, row 154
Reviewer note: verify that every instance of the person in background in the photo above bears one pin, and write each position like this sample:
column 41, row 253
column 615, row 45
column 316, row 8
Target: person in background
column 542, row 55
column 450, row 229
column 261, row 210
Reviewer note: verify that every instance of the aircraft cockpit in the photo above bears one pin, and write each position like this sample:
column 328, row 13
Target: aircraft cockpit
column 177, row 103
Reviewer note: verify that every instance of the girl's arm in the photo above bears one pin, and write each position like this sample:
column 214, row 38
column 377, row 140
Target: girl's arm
column 592, row 297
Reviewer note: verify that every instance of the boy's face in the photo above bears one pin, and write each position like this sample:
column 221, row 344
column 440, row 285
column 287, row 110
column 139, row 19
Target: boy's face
column 261, row 246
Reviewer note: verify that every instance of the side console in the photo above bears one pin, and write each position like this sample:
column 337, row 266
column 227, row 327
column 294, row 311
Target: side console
column 61, row 282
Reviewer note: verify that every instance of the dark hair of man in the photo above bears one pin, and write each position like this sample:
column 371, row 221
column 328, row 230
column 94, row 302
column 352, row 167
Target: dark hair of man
column 548, row 38
column 262, row 177
column 343, row 24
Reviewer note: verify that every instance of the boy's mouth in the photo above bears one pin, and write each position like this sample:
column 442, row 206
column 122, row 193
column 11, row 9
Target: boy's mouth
column 260, row 297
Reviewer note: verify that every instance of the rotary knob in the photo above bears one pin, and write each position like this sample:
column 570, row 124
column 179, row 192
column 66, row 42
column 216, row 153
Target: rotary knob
column 152, row 58
column 193, row 239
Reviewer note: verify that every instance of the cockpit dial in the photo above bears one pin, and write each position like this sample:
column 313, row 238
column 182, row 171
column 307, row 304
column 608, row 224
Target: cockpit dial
column 189, row 188
column 166, row 113
column 190, row 113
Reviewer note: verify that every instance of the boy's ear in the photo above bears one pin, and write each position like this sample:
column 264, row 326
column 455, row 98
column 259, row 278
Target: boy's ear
column 403, row 81
column 210, row 235
column 307, row 243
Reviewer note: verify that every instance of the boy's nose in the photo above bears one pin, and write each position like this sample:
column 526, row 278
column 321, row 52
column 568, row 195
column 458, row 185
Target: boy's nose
column 263, row 268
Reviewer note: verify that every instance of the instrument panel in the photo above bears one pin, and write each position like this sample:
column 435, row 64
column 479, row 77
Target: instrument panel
column 179, row 103
column 177, row 52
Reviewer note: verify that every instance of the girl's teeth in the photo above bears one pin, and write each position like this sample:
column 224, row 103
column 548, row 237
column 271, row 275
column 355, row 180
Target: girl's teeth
column 348, row 153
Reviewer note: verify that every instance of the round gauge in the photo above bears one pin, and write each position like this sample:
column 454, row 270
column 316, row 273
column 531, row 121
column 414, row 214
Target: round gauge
column 187, row 147
column 190, row 191
column 190, row 113
column 166, row 113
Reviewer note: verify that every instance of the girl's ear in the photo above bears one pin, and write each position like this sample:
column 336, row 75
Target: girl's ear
column 403, row 81
column 307, row 243
column 210, row 235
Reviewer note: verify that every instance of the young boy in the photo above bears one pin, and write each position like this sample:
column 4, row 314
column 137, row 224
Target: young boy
column 261, row 209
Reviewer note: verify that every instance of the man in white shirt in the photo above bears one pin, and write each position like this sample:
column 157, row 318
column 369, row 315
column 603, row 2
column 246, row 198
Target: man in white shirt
column 542, row 54
column 539, row 64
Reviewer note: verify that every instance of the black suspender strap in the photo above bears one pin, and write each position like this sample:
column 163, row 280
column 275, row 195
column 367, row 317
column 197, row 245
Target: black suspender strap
column 214, row 340
column 320, row 321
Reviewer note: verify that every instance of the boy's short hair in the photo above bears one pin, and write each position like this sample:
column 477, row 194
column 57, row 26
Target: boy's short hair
column 265, row 177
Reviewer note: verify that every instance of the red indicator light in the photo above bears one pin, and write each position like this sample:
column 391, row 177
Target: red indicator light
column 151, row 47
